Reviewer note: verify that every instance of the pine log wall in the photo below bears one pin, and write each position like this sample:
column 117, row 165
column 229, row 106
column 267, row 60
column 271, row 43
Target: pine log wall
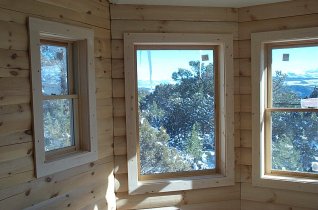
column 272, row 17
column 93, row 185
column 160, row 19
column 83, row 187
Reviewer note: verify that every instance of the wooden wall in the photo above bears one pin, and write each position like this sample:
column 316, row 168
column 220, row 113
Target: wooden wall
column 83, row 187
column 280, row 16
column 125, row 18
column 91, row 185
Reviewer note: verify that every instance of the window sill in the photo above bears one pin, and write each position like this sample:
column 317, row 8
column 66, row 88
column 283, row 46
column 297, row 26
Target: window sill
column 177, row 184
column 287, row 183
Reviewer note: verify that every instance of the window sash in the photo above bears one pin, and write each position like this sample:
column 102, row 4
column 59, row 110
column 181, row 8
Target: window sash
column 269, row 109
column 168, row 175
column 71, row 81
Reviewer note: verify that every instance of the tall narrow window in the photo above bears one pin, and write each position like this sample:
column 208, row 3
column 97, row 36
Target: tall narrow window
column 285, row 109
column 177, row 104
column 63, row 93
column 179, row 111
column 60, row 99
column 292, row 109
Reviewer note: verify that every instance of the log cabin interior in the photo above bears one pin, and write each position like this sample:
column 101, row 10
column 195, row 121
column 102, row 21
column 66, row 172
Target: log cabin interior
column 91, row 106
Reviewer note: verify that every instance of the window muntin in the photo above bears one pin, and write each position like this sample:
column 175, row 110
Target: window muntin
column 291, row 128
column 177, row 105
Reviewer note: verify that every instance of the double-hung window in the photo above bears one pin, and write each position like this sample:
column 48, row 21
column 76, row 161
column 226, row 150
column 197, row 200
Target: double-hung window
column 285, row 105
column 63, row 90
column 179, row 111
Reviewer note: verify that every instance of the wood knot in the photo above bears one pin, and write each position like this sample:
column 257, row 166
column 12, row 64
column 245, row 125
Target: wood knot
column 48, row 179
column 14, row 56
column 28, row 132
column 13, row 73
column 27, row 193
column 61, row 16
column 89, row 12
column 68, row 205
column 54, row 195
column 91, row 164
column 92, row 191
column 1, row 123
column 29, row 151
column 93, row 173
column 20, row 108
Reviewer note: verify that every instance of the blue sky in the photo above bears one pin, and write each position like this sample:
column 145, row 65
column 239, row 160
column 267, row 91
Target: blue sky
column 300, row 60
column 165, row 62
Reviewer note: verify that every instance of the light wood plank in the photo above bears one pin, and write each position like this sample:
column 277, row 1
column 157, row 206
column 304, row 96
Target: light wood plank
column 13, row 36
column 278, row 10
column 118, row 68
column 246, row 138
column 16, row 166
column 284, row 197
column 16, row 151
column 305, row 21
column 119, row 126
column 51, row 11
column 132, row 26
column 120, row 145
column 246, row 173
column 245, row 67
column 143, row 12
column 15, row 137
column 245, row 103
column 120, row 164
column 118, row 88
column 119, row 107
column 252, row 205
column 245, row 85
column 19, row 120
column 103, row 67
column 246, row 156
column 93, row 8
column 14, row 59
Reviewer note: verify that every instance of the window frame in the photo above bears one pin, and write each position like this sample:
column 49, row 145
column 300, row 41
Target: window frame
column 225, row 175
column 80, row 45
column 262, row 174
column 216, row 87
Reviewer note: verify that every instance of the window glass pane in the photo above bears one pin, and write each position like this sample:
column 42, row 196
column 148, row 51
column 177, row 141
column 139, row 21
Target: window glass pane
column 295, row 141
column 54, row 69
column 58, row 124
column 295, row 77
column 176, row 101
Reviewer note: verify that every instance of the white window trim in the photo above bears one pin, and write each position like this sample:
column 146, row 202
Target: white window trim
column 259, row 178
column 226, row 116
column 39, row 29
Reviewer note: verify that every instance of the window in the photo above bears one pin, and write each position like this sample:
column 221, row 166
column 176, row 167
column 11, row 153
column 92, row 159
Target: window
column 288, row 111
column 177, row 94
column 63, row 91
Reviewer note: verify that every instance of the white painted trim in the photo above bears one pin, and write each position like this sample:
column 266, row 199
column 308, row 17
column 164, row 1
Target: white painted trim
column 258, row 41
column 39, row 29
column 225, row 43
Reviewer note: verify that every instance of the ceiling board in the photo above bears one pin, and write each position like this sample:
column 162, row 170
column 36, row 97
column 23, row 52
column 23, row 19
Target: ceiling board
column 203, row 3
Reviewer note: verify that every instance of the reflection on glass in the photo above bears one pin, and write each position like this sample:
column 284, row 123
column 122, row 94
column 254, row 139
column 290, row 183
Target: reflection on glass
column 295, row 77
column 295, row 141
column 176, row 100
column 54, row 69
column 58, row 124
